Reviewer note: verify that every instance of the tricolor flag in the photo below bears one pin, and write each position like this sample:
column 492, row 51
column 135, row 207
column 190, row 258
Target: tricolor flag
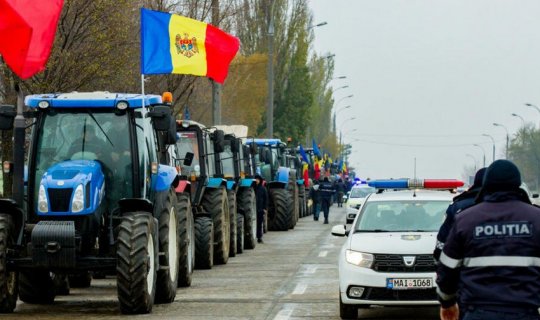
column 303, row 154
column 27, row 29
column 175, row 44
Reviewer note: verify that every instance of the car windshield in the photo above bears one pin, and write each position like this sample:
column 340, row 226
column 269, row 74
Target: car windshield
column 396, row 216
column 361, row 192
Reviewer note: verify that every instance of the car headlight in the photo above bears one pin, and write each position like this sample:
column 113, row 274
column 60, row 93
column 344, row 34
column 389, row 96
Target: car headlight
column 43, row 203
column 360, row 259
column 77, row 204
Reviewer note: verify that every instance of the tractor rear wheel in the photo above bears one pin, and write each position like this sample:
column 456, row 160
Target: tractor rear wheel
column 240, row 234
column 279, row 213
column 167, row 278
column 247, row 204
column 204, row 243
column 186, row 231
column 8, row 279
column 231, row 198
column 215, row 203
column 137, row 262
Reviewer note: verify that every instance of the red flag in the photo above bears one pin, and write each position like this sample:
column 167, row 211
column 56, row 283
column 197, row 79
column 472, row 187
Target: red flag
column 27, row 29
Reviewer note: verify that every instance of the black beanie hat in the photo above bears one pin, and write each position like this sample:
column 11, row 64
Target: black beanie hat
column 479, row 178
column 502, row 175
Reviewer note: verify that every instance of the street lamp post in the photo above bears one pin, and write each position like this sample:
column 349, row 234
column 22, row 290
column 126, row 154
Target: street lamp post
column 507, row 136
column 483, row 152
column 533, row 106
column 336, row 105
column 518, row 116
column 474, row 159
column 340, row 77
column 341, row 109
column 342, row 87
column 493, row 141
column 270, row 111
column 340, row 136
column 318, row 25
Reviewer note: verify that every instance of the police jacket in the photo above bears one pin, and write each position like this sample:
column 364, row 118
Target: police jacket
column 340, row 187
column 493, row 255
column 326, row 190
column 314, row 193
column 461, row 202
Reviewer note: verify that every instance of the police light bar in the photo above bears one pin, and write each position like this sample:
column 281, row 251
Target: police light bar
column 416, row 184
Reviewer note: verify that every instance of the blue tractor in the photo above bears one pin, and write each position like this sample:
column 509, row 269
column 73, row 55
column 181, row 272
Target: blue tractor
column 100, row 198
column 281, row 184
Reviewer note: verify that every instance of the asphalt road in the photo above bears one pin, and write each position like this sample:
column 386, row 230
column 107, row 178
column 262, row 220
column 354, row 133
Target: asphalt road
column 293, row 275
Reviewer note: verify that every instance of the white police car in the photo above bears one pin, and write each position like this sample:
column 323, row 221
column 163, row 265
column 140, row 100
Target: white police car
column 387, row 259
column 356, row 199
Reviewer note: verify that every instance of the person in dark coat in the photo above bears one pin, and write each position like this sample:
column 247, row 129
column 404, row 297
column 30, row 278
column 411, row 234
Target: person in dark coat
column 460, row 203
column 491, row 257
column 340, row 191
column 262, row 205
column 326, row 190
column 316, row 199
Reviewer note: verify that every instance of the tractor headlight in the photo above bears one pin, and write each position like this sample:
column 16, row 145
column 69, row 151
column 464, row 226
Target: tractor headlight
column 77, row 204
column 43, row 204
column 359, row 258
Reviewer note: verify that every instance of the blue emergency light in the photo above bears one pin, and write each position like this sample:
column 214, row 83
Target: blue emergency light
column 99, row 99
column 416, row 184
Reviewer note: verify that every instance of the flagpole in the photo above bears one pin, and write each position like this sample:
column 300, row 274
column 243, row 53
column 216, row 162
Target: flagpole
column 144, row 128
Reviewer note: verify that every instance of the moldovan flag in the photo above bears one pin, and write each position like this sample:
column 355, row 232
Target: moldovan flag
column 175, row 44
column 27, row 29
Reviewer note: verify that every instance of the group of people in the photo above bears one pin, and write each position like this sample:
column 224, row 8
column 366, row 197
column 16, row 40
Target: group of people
column 488, row 250
column 323, row 193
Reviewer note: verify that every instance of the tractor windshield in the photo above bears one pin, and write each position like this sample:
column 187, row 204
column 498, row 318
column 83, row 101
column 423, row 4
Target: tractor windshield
column 187, row 142
column 81, row 134
column 227, row 162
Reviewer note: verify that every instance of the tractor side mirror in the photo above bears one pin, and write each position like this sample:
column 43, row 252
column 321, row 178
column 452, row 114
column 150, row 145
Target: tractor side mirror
column 7, row 115
column 235, row 146
column 188, row 159
column 162, row 118
column 267, row 156
column 219, row 141
column 253, row 148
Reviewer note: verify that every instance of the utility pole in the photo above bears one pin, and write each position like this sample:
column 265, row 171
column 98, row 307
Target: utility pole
column 270, row 111
column 216, row 87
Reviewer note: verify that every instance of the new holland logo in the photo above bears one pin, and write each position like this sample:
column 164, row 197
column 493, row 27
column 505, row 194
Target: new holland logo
column 409, row 260
column 186, row 46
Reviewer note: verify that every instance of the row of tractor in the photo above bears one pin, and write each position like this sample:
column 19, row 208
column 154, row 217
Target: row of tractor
column 112, row 185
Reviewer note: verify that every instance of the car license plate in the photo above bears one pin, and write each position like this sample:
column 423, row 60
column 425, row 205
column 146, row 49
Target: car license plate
column 409, row 283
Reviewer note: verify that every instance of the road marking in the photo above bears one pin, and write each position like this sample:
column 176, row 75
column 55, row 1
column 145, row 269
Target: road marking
column 284, row 314
column 300, row 288
column 311, row 269
column 323, row 254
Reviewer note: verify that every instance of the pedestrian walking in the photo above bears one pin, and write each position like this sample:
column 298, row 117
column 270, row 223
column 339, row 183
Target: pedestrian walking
column 491, row 257
column 315, row 197
column 460, row 203
column 262, row 205
column 340, row 191
column 326, row 190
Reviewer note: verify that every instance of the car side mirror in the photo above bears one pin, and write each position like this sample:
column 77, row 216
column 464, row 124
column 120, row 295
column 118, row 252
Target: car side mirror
column 535, row 195
column 188, row 159
column 339, row 231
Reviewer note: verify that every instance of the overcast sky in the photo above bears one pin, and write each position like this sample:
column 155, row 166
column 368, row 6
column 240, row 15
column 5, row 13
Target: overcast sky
column 429, row 78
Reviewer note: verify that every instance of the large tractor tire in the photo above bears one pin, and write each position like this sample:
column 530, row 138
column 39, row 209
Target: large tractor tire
column 293, row 206
column 137, row 262
column 247, row 204
column 204, row 243
column 216, row 204
column 186, row 231
column 301, row 201
column 240, row 244
column 9, row 287
column 36, row 286
column 279, row 213
column 167, row 278
column 231, row 198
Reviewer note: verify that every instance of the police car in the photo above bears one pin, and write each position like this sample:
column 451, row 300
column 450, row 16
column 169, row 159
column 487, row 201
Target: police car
column 387, row 258
column 357, row 197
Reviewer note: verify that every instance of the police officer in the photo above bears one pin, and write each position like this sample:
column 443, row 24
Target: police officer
column 326, row 191
column 460, row 203
column 315, row 197
column 340, row 191
column 492, row 255
column 262, row 205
